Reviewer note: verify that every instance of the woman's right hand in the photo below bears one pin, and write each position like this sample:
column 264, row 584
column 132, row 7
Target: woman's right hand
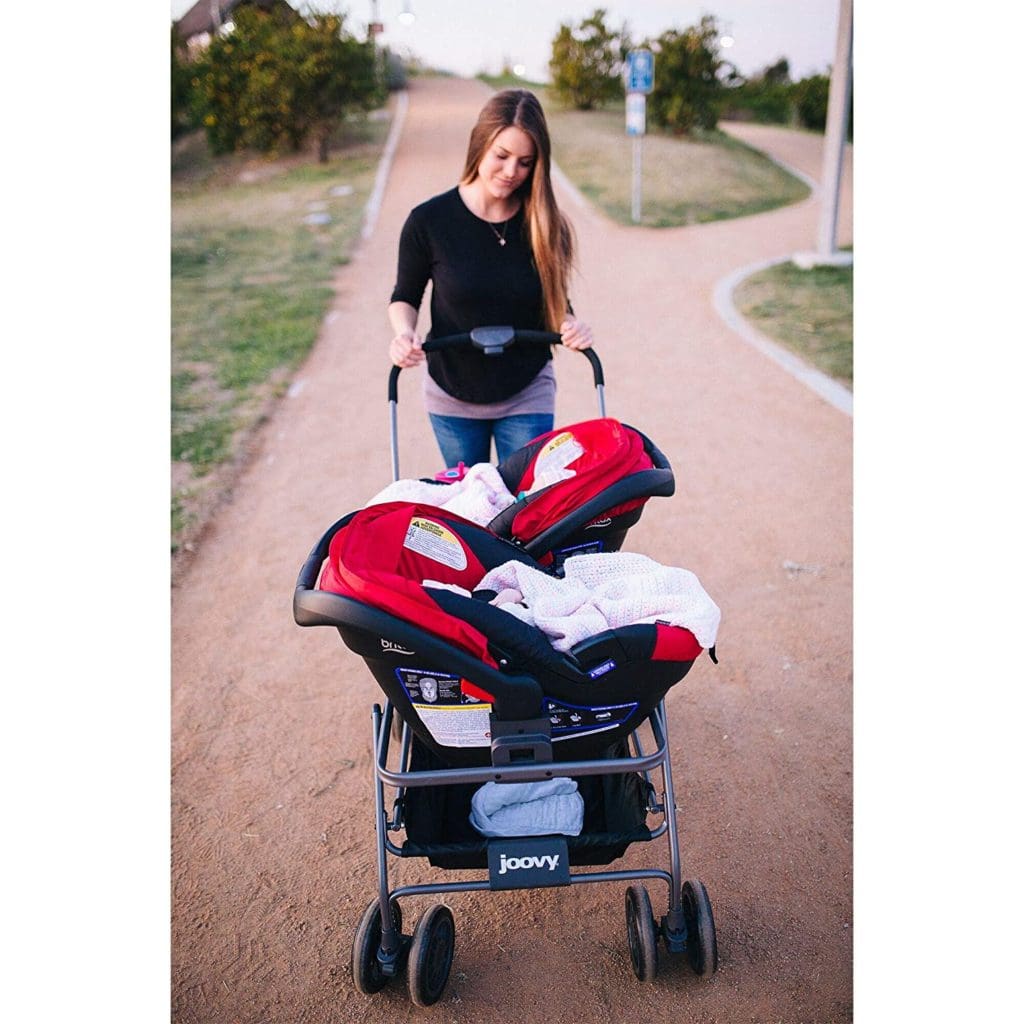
column 406, row 349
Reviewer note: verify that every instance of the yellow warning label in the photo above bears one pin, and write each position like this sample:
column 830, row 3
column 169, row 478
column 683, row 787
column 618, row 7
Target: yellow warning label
column 558, row 453
column 465, row 726
column 436, row 542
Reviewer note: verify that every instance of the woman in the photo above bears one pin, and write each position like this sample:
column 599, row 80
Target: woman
column 499, row 252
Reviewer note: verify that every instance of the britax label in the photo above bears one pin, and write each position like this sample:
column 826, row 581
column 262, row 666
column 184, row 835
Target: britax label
column 600, row 670
column 393, row 648
column 528, row 863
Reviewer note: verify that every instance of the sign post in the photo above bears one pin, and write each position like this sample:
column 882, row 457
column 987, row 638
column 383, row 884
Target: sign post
column 639, row 82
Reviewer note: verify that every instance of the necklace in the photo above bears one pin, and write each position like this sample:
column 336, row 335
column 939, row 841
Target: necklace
column 500, row 236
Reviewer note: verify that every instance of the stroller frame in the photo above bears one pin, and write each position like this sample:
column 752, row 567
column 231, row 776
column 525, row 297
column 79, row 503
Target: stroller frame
column 672, row 928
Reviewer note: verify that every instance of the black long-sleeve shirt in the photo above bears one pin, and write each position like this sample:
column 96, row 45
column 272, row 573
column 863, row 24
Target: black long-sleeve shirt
column 477, row 282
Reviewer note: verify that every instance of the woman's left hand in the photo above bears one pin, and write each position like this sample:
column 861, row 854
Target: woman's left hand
column 576, row 334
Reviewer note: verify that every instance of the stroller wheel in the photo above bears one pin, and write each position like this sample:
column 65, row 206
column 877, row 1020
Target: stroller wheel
column 366, row 972
column 701, row 942
column 642, row 934
column 430, row 957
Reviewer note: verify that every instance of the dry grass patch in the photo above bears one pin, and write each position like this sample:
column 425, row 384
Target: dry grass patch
column 684, row 181
column 809, row 311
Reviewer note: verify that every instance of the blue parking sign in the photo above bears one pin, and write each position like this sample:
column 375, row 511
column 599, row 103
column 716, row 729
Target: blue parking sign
column 640, row 71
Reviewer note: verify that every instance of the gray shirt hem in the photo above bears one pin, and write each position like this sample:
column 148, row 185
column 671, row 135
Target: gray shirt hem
column 537, row 397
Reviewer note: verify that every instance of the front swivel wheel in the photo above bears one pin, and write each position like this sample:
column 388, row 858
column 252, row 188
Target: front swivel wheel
column 642, row 933
column 366, row 970
column 430, row 956
column 701, row 941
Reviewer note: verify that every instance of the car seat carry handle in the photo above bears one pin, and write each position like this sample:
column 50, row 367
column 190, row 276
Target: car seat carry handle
column 516, row 697
column 492, row 341
column 310, row 571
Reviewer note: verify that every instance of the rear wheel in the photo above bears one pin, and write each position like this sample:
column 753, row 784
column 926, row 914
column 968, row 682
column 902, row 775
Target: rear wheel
column 642, row 933
column 431, row 954
column 701, row 941
column 366, row 972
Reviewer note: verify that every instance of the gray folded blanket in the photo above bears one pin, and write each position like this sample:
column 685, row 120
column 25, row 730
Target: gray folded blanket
column 552, row 807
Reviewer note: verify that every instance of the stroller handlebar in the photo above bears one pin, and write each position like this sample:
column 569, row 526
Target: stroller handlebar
column 493, row 341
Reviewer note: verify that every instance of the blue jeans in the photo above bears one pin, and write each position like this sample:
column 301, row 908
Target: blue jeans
column 464, row 440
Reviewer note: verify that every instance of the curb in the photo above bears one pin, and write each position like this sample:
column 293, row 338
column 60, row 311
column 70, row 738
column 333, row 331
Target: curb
column 373, row 204
column 838, row 396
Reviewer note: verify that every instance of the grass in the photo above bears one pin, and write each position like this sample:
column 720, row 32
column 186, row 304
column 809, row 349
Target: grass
column 251, row 279
column 511, row 81
column 809, row 311
column 684, row 180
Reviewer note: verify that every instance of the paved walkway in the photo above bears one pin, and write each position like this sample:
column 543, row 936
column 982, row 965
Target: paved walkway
column 274, row 856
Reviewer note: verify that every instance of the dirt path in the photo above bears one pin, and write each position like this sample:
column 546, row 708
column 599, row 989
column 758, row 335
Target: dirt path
column 273, row 849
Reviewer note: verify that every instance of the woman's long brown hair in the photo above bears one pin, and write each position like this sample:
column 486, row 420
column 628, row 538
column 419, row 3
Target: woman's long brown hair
column 551, row 235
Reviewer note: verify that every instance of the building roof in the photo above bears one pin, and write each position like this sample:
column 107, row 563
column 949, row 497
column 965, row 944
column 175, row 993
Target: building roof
column 209, row 15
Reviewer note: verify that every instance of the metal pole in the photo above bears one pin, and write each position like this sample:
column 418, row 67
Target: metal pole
column 390, row 944
column 393, row 419
column 835, row 131
column 638, row 142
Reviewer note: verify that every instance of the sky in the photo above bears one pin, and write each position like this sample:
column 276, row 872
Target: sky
column 469, row 36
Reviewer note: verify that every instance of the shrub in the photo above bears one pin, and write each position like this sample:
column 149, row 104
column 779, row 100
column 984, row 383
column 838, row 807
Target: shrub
column 811, row 99
column 766, row 97
column 395, row 75
column 686, row 79
column 181, row 87
column 586, row 63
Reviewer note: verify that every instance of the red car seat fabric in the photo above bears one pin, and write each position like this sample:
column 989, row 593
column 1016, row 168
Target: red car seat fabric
column 599, row 452
column 382, row 555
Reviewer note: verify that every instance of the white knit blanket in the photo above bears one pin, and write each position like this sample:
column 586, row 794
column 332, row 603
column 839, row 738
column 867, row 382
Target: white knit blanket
column 479, row 496
column 604, row 591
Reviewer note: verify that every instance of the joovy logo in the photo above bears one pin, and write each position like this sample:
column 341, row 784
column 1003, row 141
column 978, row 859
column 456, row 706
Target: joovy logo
column 528, row 863
column 522, row 863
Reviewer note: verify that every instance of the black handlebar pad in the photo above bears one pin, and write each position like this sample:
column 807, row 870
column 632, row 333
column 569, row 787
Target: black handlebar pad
column 493, row 341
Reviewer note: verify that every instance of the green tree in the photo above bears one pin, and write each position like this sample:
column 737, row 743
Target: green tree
column 278, row 79
column 181, row 86
column 241, row 97
column 333, row 74
column 686, row 80
column 777, row 73
column 586, row 62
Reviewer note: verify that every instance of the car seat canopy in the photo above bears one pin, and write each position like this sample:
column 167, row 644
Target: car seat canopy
column 590, row 474
column 382, row 555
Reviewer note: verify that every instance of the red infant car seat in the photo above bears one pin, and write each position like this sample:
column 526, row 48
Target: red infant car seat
column 453, row 664
column 615, row 470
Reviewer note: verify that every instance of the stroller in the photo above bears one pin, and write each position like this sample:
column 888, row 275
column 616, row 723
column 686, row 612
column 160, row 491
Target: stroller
column 486, row 699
